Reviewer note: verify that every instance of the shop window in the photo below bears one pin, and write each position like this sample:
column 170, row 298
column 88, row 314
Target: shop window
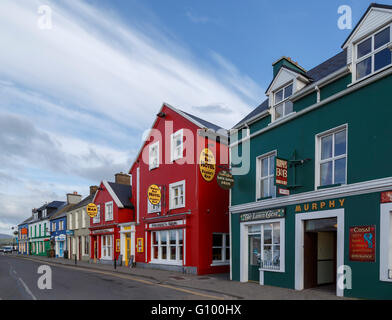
column 373, row 54
column 220, row 248
column 154, row 155
column 177, row 195
column 177, row 145
column 332, row 157
column 107, row 247
column 97, row 218
column 265, row 177
column 282, row 106
column 167, row 246
column 86, row 245
column 109, row 211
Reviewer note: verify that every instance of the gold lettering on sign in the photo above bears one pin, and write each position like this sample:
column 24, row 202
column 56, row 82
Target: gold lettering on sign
column 306, row 207
column 332, row 203
column 322, row 205
column 341, row 202
column 314, row 206
column 298, row 208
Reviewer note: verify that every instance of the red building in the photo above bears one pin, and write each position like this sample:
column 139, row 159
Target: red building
column 115, row 210
column 181, row 212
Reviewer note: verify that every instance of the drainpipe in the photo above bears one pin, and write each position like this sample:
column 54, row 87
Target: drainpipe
column 318, row 94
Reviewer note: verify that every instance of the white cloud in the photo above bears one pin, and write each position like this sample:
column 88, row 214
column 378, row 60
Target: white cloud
column 87, row 89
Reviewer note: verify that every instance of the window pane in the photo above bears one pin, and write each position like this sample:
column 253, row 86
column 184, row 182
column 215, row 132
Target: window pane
column 276, row 257
column 267, row 234
column 382, row 38
column 155, row 250
column 173, row 253
column 364, row 48
column 163, row 238
column 340, row 171
column 254, row 229
column 217, row 240
column 155, row 238
column 276, row 233
column 264, row 167
column 326, row 147
column 217, row 254
column 264, row 188
column 279, row 96
column 271, row 191
column 340, row 143
column 181, row 252
column 173, row 236
column 227, row 240
column 382, row 59
column 364, row 68
column 180, row 237
column 267, row 261
column 326, row 174
column 288, row 107
column 164, row 252
column 227, row 253
column 288, row 91
column 272, row 165
column 279, row 111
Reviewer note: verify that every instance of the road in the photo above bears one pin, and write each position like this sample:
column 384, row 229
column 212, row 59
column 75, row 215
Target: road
column 19, row 281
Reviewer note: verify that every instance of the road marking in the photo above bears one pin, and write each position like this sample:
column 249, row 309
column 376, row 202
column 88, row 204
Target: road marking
column 123, row 276
column 27, row 289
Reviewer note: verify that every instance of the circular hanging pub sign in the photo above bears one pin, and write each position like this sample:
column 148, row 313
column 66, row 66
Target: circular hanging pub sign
column 225, row 180
column 207, row 165
column 92, row 210
column 154, row 194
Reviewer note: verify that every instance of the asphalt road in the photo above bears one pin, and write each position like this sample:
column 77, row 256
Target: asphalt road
column 19, row 281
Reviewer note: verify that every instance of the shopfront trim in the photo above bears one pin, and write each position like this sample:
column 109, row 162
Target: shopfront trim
column 385, row 225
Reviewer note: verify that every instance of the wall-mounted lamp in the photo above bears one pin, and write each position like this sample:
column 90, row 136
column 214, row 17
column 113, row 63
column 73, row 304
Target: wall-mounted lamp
column 161, row 115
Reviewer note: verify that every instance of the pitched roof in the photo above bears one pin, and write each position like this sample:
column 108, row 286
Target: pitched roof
column 317, row 73
column 53, row 204
column 62, row 211
column 123, row 193
column 372, row 5
column 205, row 123
column 26, row 221
column 83, row 203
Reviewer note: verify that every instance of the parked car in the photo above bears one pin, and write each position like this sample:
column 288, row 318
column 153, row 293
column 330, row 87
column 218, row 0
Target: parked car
column 7, row 249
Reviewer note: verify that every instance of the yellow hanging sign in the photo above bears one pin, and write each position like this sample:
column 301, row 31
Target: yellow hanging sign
column 154, row 194
column 207, row 164
column 92, row 210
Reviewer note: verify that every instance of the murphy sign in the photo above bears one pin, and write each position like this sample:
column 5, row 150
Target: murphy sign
column 263, row 215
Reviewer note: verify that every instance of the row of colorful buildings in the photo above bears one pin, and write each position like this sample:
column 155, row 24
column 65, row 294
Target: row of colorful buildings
column 311, row 203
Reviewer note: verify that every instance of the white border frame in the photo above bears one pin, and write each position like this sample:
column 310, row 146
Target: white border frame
column 299, row 243
column 106, row 205
column 258, row 170
column 178, row 132
column 244, row 248
column 385, row 240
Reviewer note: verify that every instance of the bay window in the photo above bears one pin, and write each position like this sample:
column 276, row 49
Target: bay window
column 167, row 246
column 282, row 106
column 265, row 176
column 374, row 53
column 332, row 157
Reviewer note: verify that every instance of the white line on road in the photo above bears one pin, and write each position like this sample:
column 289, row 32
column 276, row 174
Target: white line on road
column 27, row 289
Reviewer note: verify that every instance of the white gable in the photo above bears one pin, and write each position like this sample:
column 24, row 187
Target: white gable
column 375, row 19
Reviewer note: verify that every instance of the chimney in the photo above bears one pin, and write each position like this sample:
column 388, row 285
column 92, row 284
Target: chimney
column 93, row 190
column 122, row 178
column 73, row 198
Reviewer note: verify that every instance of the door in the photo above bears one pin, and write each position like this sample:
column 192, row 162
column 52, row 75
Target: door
column 254, row 257
column 127, row 249
column 80, row 248
column 310, row 260
column 61, row 248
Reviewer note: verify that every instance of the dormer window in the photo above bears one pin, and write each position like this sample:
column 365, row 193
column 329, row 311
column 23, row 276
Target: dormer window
column 373, row 54
column 282, row 106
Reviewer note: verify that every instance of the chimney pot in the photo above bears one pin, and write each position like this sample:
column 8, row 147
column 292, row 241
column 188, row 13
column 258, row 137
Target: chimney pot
column 93, row 190
column 122, row 178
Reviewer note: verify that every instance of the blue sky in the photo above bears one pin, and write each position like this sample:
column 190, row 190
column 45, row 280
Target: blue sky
column 76, row 99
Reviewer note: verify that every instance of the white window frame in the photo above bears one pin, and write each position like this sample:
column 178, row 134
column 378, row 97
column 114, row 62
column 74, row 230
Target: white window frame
column 109, row 204
column 171, row 194
column 283, row 102
column 105, row 248
column 44, row 213
column 371, row 54
column 225, row 245
column 97, row 218
column 151, row 161
column 168, row 259
column 54, row 226
column 84, row 218
column 172, row 145
column 61, row 225
column 386, row 242
column 259, row 161
column 318, row 161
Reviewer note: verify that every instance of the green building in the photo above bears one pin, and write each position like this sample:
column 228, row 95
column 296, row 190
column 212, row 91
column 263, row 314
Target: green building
column 312, row 201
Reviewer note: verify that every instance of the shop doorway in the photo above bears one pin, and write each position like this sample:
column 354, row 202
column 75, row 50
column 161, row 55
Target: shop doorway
column 320, row 253
column 127, row 249
column 254, row 257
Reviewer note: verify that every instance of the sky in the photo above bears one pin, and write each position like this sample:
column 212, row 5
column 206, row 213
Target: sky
column 76, row 99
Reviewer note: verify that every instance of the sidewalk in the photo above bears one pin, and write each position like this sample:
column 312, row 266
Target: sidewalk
column 218, row 284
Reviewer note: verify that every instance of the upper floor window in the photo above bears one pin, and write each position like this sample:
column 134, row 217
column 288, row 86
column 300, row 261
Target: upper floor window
column 109, row 211
column 154, row 155
column 332, row 157
column 53, row 226
column 177, row 195
column 44, row 213
column 97, row 218
column 61, row 225
column 265, row 176
column 177, row 147
column 84, row 218
column 373, row 54
column 282, row 106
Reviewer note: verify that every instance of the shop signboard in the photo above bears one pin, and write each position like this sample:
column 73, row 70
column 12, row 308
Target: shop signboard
column 154, row 194
column 207, row 164
column 263, row 215
column 281, row 172
column 363, row 243
column 167, row 224
column 225, row 180
column 92, row 210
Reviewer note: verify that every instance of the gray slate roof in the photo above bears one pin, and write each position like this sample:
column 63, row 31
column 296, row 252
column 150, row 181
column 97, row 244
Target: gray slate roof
column 205, row 123
column 62, row 211
column 123, row 193
column 83, row 203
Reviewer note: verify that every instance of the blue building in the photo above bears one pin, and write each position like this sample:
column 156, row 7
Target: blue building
column 23, row 237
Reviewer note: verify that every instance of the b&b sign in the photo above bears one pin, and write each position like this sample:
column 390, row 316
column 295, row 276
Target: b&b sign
column 281, row 172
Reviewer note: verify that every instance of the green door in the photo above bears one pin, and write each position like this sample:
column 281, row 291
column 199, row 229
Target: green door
column 254, row 257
